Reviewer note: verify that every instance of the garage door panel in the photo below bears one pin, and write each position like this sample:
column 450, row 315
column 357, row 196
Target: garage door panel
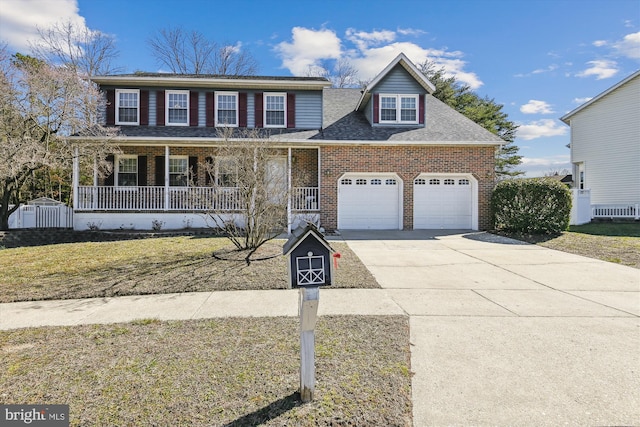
column 368, row 202
column 443, row 202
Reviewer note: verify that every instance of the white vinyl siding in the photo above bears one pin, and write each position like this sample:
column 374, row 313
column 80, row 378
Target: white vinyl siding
column 605, row 139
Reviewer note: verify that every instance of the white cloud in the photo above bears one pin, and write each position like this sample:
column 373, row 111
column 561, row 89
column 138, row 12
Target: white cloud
column 411, row 32
column 600, row 68
column 539, row 166
column 536, row 107
column 629, row 46
column 307, row 48
column 20, row 19
column 599, row 43
column 368, row 52
column 582, row 100
column 540, row 129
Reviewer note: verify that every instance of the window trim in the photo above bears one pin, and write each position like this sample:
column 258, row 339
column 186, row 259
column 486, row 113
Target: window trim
column 167, row 107
column 399, row 97
column 264, row 108
column 185, row 173
column 116, row 181
column 216, row 104
column 117, row 112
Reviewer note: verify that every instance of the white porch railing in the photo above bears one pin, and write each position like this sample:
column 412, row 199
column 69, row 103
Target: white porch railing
column 616, row 211
column 103, row 198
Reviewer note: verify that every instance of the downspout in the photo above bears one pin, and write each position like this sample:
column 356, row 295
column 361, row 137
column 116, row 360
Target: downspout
column 289, row 217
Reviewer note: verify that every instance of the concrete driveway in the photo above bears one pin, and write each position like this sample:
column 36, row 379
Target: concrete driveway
column 505, row 333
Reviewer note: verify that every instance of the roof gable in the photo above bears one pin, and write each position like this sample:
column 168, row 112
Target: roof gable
column 567, row 117
column 402, row 61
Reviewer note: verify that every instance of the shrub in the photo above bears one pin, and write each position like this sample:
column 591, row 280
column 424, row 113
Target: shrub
column 538, row 206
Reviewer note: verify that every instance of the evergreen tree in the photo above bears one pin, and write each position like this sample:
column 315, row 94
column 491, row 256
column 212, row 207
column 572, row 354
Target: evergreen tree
column 484, row 111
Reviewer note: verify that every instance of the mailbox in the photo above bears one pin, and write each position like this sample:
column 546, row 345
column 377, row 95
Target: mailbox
column 309, row 258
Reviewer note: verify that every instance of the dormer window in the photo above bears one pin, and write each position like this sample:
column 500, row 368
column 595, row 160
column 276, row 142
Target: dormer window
column 177, row 107
column 127, row 107
column 398, row 109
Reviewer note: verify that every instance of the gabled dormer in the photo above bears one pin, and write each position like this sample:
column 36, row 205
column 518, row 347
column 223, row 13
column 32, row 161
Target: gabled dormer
column 396, row 96
column 163, row 100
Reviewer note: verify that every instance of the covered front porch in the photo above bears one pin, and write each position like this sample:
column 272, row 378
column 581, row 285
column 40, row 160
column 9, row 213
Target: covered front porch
column 176, row 187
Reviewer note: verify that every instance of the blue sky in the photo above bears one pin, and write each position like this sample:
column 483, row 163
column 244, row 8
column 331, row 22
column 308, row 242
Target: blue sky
column 539, row 58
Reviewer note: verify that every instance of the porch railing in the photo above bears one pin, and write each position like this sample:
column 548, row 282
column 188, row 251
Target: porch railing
column 103, row 198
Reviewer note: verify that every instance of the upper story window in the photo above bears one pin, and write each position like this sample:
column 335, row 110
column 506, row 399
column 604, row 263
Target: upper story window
column 177, row 106
column 127, row 171
column 226, row 109
column 401, row 109
column 275, row 107
column 127, row 106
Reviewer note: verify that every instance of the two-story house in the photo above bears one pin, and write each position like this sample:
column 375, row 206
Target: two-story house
column 605, row 149
column 389, row 156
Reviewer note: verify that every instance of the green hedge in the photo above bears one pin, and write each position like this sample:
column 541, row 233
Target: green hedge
column 537, row 206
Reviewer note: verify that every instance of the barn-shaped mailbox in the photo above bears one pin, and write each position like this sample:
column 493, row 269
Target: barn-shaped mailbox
column 309, row 258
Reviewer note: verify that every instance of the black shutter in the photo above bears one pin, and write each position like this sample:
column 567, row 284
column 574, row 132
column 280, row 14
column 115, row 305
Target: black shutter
column 142, row 171
column 160, row 171
column 291, row 110
column 193, row 170
column 209, row 109
column 144, row 108
column 258, row 110
column 193, row 108
column 208, row 177
column 242, row 109
column 109, row 179
column 160, row 108
column 111, row 107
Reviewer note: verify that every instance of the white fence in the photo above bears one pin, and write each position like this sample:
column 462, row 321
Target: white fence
column 582, row 211
column 580, row 207
column 616, row 211
column 33, row 216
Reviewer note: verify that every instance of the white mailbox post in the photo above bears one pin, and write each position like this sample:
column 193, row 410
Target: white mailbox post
column 309, row 268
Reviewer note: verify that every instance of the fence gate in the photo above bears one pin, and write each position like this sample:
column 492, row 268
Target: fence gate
column 38, row 216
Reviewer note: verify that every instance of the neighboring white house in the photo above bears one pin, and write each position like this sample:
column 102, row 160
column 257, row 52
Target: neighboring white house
column 605, row 148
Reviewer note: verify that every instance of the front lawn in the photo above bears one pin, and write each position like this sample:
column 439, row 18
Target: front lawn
column 608, row 241
column 152, row 266
column 213, row 372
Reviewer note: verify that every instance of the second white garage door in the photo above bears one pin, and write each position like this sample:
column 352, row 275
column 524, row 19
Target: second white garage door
column 369, row 202
column 443, row 202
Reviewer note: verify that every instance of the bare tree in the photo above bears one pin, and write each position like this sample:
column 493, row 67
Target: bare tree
column 342, row 74
column 191, row 52
column 40, row 107
column 250, row 190
column 65, row 43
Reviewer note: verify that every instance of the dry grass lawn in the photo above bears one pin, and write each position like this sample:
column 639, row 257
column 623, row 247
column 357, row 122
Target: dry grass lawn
column 151, row 266
column 218, row 372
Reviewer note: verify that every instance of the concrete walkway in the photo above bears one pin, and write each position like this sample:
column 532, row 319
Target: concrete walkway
column 502, row 333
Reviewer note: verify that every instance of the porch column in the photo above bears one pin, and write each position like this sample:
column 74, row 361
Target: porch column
column 289, row 217
column 94, row 190
column 166, row 177
column 76, row 177
column 319, row 185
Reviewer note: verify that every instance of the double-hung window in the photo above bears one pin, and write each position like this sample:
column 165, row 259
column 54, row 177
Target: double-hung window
column 399, row 109
column 226, row 109
column 226, row 172
column 127, row 171
column 177, row 105
column 127, row 107
column 178, row 171
column 275, row 108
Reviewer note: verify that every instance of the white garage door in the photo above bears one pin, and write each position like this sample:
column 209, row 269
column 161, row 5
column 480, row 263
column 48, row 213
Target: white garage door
column 369, row 202
column 442, row 202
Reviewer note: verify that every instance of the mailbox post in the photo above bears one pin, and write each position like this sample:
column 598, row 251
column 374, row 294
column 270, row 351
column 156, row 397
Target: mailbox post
column 309, row 268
